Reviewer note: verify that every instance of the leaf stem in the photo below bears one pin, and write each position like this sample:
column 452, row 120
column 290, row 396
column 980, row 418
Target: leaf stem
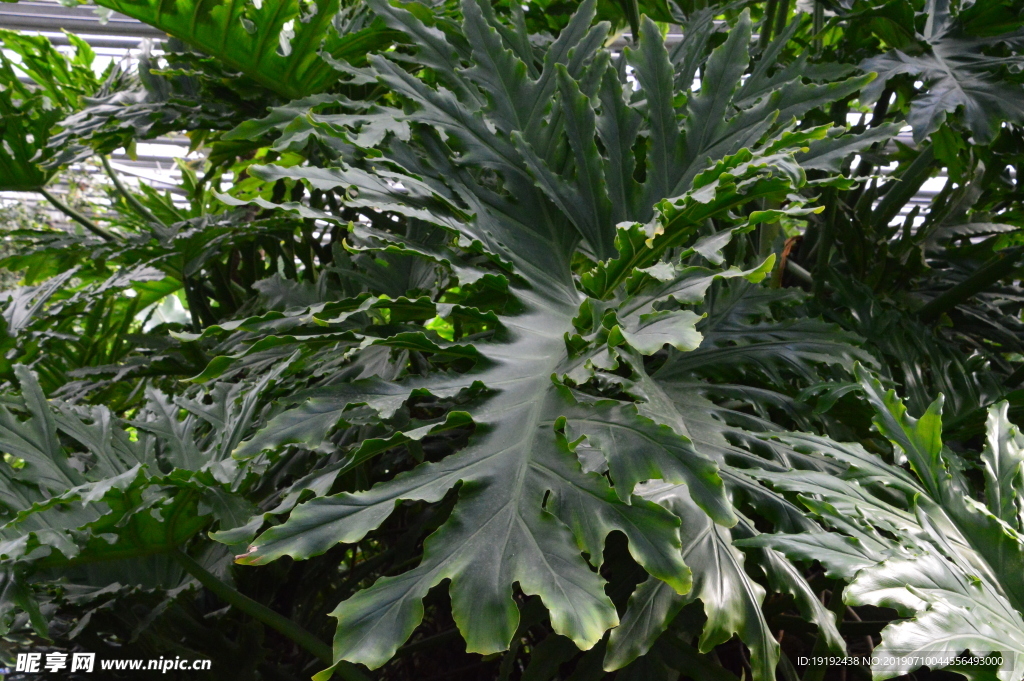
column 76, row 216
column 782, row 16
column 767, row 24
column 799, row 272
column 826, row 239
column 905, row 187
column 989, row 273
column 272, row 619
column 136, row 205
column 632, row 12
column 819, row 25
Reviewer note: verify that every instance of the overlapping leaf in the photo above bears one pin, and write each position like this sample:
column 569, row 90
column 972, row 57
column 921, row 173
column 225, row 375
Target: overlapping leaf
column 107, row 496
column 28, row 111
column 525, row 181
column 947, row 562
column 957, row 74
column 275, row 42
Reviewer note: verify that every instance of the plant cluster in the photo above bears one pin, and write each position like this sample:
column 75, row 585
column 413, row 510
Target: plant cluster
column 496, row 341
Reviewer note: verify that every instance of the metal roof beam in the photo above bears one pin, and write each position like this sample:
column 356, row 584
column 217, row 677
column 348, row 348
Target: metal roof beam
column 33, row 15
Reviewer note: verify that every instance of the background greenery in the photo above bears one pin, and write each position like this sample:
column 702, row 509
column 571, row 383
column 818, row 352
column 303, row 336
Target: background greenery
column 496, row 341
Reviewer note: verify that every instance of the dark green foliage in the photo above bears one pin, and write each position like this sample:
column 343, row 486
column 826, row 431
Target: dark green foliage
column 491, row 344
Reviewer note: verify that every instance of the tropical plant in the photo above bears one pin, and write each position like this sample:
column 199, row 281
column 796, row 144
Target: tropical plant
column 918, row 541
column 520, row 341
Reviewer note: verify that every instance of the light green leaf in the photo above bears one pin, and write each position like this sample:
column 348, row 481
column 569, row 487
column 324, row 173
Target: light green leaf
column 274, row 42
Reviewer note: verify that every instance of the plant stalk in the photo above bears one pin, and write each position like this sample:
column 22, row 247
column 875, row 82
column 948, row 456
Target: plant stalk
column 781, row 17
column 76, row 216
column 819, row 25
column 905, row 187
column 1001, row 265
column 826, row 237
column 632, row 12
column 767, row 24
column 136, row 205
column 262, row 613
column 799, row 272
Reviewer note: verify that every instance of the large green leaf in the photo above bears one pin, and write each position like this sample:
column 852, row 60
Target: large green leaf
column 522, row 183
column 919, row 543
column 742, row 336
column 80, row 487
column 732, row 601
column 730, row 597
column 29, row 110
column 1003, row 459
column 277, row 43
column 519, row 444
column 957, row 73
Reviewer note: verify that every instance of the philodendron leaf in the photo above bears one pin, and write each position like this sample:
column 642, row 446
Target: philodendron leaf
column 651, row 609
column 958, row 77
column 519, row 447
column 638, row 449
column 831, row 152
column 29, row 110
column 999, row 547
column 1003, row 458
column 946, row 562
column 517, row 459
column 953, row 611
column 519, row 160
column 655, row 330
column 518, row 443
column 275, row 42
column 732, row 600
column 82, row 487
